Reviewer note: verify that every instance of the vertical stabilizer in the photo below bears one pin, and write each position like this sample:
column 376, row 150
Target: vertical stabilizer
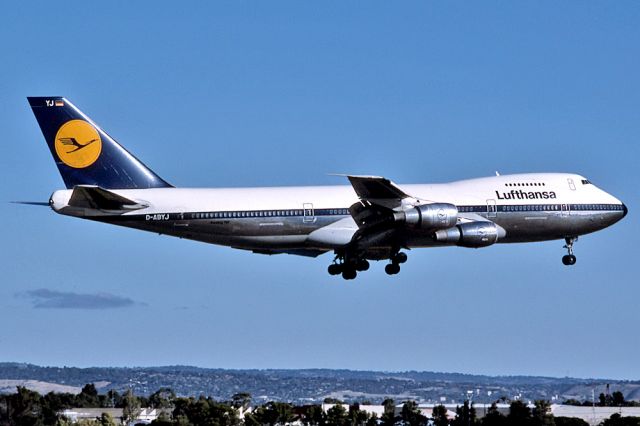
column 84, row 153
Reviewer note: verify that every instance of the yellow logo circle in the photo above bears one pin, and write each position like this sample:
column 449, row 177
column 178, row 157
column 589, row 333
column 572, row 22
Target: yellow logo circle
column 78, row 144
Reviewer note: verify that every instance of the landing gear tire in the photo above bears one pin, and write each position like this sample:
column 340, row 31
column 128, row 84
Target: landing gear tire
column 400, row 258
column 349, row 274
column 569, row 259
column 335, row 269
column 363, row 265
column 392, row 268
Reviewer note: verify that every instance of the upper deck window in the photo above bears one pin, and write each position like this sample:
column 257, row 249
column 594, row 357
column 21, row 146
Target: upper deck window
column 525, row 184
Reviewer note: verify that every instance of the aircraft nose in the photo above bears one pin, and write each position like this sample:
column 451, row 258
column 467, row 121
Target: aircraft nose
column 624, row 210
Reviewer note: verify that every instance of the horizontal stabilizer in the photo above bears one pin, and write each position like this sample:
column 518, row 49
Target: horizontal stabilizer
column 94, row 197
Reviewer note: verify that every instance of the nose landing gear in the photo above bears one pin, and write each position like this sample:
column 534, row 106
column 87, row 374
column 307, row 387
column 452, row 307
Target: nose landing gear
column 569, row 259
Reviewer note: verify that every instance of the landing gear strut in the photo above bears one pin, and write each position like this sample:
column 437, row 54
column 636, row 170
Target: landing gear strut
column 569, row 259
column 394, row 267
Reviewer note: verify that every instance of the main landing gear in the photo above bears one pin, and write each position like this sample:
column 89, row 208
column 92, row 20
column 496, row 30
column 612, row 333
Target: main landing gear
column 569, row 259
column 394, row 267
column 348, row 267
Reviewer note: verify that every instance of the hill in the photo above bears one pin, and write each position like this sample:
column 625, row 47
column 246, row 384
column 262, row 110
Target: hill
column 310, row 385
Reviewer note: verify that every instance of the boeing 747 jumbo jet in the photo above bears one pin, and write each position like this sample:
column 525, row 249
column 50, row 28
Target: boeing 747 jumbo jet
column 372, row 219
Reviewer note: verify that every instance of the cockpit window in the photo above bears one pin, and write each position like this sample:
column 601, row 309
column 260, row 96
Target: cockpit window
column 586, row 182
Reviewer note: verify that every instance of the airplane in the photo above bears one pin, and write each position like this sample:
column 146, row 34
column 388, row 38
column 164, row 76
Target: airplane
column 370, row 219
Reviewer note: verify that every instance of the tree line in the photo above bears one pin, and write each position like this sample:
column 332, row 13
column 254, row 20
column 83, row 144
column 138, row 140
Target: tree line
column 29, row 408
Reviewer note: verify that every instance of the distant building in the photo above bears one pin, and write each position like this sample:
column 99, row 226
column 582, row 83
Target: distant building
column 481, row 409
column 593, row 415
column 425, row 409
column 147, row 415
column 77, row 414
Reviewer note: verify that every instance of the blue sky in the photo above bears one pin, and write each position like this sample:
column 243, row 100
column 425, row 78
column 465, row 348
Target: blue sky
column 284, row 93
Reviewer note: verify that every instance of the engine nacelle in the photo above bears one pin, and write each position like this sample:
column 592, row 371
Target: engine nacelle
column 473, row 234
column 430, row 216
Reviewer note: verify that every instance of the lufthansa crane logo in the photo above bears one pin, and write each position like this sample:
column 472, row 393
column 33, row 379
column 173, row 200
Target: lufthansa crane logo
column 78, row 144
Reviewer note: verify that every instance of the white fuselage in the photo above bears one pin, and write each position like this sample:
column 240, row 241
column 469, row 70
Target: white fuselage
column 529, row 207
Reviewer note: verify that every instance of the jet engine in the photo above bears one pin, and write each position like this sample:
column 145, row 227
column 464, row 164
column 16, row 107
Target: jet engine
column 473, row 234
column 429, row 216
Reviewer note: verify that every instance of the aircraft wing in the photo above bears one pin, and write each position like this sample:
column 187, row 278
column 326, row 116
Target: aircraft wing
column 379, row 198
column 382, row 212
column 376, row 188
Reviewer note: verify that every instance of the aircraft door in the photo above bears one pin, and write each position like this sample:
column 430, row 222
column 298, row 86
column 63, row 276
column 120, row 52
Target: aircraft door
column 308, row 214
column 492, row 209
column 181, row 220
column 565, row 209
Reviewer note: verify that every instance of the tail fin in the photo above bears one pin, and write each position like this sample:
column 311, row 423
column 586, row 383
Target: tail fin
column 84, row 153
